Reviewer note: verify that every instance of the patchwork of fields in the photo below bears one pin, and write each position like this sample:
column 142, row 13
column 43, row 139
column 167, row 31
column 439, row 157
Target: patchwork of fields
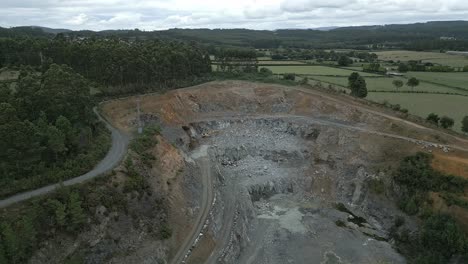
column 381, row 88
column 386, row 84
column 455, row 79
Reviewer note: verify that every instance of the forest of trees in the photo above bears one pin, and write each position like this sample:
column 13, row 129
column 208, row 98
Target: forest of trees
column 440, row 237
column 48, row 131
column 118, row 66
column 69, row 211
column 237, row 60
column 321, row 55
column 419, row 36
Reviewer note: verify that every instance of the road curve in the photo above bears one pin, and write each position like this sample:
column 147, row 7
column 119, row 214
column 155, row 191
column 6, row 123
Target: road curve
column 112, row 159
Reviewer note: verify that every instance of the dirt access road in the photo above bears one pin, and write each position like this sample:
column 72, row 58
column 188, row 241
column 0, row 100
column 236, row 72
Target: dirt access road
column 116, row 153
column 202, row 159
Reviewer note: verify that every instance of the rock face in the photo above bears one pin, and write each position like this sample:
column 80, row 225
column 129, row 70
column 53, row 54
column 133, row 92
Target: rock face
column 290, row 171
column 280, row 182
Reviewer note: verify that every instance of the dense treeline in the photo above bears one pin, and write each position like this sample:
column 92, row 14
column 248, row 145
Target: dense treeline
column 111, row 62
column 72, row 210
column 440, row 237
column 420, row 66
column 236, row 60
column 419, row 36
column 321, row 55
column 48, row 131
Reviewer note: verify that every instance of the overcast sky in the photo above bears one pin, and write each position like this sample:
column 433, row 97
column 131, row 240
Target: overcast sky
column 254, row 14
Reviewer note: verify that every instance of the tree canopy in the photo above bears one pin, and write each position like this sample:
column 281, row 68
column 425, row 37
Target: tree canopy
column 111, row 62
column 446, row 122
column 358, row 85
column 45, row 124
column 465, row 124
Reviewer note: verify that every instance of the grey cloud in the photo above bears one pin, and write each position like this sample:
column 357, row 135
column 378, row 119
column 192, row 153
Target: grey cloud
column 309, row 5
column 161, row 14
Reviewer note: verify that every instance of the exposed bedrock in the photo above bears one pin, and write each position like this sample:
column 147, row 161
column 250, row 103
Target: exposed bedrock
column 293, row 192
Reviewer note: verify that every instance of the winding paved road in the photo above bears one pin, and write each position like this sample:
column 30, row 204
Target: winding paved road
column 112, row 159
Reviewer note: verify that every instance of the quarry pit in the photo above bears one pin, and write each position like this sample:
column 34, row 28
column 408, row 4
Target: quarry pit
column 279, row 174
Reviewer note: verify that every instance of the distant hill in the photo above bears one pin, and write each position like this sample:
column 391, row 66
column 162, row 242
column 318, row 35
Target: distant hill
column 325, row 28
column 448, row 35
column 53, row 30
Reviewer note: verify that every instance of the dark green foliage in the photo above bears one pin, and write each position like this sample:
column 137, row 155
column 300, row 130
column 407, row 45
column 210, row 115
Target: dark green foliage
column 446, row 122
column 433, row 118
column 265, row 72
column 403, row 67
column 146, row 140
column 48, row 131
column 420, row 36
column 23, row 229
column 415, row 173
column 398, row 83
column 358, row 85
column 440, row 237
column 119, row 67
column 76, row 214
column 412, row 82
column 373, row 67
column 465, row 124
column 344, row 61
column 141, row 146
column 252, row 77
column 422, row 67
column 304, row 81
column 165, row 231
column 237, row 60
column 452, row 199
column 340, row 223
column 376, row 185
column 352, row 78
column 321, row 55
column 289, row 76
column 399, row 221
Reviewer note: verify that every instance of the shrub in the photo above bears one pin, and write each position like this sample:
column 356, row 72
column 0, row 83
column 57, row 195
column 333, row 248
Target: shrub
column 265, row 72
column 289, row 76
column 446, row 122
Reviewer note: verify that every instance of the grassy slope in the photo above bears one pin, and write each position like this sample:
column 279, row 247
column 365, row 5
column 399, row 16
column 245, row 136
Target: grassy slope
column 423, row 104
column 385, row 84
column 455, row 79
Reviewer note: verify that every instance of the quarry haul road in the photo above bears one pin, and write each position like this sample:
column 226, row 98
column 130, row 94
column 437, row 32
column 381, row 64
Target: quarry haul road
column 369, row 110
column 112, row 159
column 326, row 122
column 203, row 160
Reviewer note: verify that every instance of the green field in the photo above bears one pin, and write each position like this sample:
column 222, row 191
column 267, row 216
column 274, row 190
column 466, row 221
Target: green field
column 453, row 106
column 314, row 70
column 385, row 84
column 434, row 57
column 455, row 79
column 281, row 62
